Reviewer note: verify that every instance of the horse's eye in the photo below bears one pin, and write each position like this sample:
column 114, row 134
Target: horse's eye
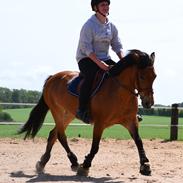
column 142, row 77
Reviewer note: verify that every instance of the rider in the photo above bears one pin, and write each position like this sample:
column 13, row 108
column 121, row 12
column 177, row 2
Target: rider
column 96, row 36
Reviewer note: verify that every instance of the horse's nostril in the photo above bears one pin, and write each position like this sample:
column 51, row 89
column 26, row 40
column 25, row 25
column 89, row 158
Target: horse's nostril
column 146, row 104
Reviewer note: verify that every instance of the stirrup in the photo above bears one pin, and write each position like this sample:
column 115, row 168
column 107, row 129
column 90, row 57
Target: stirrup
column 83, row 115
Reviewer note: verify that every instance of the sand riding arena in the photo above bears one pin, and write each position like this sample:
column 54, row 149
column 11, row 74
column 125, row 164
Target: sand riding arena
column 116, row 162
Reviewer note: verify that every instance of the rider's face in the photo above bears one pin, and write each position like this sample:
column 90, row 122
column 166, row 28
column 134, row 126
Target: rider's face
column 103, row 7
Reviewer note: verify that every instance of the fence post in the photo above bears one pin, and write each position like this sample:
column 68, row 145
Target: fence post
column 174, row 122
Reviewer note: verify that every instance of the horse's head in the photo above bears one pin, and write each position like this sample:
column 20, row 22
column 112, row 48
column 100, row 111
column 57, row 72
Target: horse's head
column 145, row 78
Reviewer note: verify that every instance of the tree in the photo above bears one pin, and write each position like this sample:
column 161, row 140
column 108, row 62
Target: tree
column 18, row 96
column 15, row 96
column 5, row 95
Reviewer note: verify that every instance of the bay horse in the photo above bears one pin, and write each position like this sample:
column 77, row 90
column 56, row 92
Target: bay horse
column 115, row 103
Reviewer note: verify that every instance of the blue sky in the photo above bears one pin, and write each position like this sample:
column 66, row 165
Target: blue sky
column 39, row 38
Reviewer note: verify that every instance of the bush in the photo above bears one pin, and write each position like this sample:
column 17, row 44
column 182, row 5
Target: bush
column 4, row 116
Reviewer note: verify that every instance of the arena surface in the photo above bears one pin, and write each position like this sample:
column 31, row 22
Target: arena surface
column 116, row 162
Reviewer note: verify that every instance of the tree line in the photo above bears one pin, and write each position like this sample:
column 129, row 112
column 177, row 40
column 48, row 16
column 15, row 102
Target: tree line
column 159, row 111
column 18, row 96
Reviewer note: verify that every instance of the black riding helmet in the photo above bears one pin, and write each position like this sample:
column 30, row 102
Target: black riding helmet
column 96, row 2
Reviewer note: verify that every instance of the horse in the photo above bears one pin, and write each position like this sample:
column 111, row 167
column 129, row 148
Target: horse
column 116, row 102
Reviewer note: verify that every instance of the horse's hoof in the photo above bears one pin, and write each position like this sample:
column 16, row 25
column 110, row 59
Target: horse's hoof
column 39, row 168
column 145, row 169
column 74, row 168
column 82, row 171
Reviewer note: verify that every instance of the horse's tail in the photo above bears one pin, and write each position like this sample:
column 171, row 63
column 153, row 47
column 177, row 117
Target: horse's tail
column 36, row 119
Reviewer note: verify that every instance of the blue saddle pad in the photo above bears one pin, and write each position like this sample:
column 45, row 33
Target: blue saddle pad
column 73, row 84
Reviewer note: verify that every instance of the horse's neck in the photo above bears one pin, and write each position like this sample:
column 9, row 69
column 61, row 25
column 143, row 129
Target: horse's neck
column 128, row 76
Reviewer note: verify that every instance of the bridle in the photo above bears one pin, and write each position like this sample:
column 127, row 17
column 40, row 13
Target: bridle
column 125, row 87
column 140, row 91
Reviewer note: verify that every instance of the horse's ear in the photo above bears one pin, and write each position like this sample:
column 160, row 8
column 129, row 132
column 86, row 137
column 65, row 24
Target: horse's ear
column 152, row 57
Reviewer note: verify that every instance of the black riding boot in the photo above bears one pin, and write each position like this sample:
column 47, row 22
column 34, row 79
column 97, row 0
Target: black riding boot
column 83, row 112
column 83, row 115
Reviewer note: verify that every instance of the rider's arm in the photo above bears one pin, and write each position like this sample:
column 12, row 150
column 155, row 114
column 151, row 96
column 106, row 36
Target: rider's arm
column 100, row 63
column 120, row 55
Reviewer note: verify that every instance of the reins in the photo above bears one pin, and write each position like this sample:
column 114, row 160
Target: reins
column 125, row 87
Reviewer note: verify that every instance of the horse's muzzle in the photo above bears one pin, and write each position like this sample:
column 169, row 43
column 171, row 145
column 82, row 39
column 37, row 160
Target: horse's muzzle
column 147, row 102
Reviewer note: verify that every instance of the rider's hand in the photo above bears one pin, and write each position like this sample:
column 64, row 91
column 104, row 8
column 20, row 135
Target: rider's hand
column 103, row 66
column 99, row 62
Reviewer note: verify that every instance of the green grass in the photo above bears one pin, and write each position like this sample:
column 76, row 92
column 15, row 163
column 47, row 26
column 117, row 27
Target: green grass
column 21, row 115
column 85, row 131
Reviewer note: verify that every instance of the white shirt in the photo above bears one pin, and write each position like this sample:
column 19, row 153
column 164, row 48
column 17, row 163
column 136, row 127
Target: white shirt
column 97, row 37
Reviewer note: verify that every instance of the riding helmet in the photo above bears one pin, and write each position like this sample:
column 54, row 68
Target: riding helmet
column 96, row 2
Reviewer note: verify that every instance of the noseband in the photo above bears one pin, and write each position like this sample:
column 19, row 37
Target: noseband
column 145, row 90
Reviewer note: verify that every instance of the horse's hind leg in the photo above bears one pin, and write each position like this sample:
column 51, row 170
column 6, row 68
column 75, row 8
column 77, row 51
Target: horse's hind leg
column 46, row 156
column 72, row 157
column 144, row 162
column 62, row 119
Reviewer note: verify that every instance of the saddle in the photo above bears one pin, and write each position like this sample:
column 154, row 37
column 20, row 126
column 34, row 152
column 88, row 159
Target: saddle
column 75, row 83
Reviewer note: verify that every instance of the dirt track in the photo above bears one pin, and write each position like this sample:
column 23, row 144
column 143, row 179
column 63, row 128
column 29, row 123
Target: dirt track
column 116, row 162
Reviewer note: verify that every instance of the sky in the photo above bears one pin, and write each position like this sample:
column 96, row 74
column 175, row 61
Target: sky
column 39, row 38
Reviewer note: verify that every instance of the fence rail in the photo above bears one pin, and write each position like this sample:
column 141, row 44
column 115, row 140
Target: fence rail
column 173, row 125
column 83, row 124
column 33, row 104
column 28, row 104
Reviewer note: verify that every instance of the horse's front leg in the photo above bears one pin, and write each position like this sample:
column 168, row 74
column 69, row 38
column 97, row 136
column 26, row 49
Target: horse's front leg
column 144, row 162
column 83, row 170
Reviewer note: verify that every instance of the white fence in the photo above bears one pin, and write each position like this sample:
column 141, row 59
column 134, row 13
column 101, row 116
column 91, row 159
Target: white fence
column 82, row 124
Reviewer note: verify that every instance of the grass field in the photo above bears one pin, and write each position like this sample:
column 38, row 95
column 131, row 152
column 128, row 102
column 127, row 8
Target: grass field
column 85, row 131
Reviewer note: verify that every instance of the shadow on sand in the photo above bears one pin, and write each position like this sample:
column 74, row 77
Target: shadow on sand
column 44, row 177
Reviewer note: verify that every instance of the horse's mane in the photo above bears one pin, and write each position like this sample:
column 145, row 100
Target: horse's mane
column 143, row 58
column 133, row 57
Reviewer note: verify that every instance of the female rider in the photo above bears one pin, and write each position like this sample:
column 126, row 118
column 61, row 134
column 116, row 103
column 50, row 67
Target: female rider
column 96, row 36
